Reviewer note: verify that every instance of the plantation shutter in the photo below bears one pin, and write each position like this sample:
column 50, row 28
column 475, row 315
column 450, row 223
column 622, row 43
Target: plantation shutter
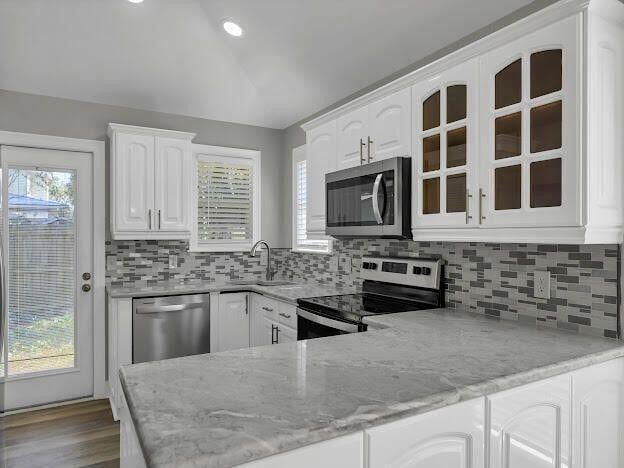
column 302, row 240
column 224, row 202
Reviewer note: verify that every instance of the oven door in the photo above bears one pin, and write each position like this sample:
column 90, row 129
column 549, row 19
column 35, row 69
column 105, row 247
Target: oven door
column 368, row 201
column 311, row 325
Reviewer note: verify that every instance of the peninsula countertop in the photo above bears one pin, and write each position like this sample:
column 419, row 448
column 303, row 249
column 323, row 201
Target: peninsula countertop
column 287, row 292
column 224, row 409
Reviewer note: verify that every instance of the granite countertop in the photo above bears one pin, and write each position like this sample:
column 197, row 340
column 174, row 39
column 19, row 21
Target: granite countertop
column 289, row 292
column 224, row 409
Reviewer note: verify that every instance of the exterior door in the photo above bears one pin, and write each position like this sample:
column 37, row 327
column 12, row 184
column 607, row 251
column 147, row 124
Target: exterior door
column 47, row 242
column 133, row 167
column 352, row 135
column 390, row 120
column 530, row 157
column 172, row 191
column 445, row 165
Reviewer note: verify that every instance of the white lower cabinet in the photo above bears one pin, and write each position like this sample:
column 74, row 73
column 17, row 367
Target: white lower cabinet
column 450, row 437
column 272, row 321
column 598, row 416
column 530, row 425
column 232, row 322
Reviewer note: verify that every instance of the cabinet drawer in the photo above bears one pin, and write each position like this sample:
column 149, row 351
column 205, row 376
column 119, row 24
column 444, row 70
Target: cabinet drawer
column 269, row 307
column 287, row 315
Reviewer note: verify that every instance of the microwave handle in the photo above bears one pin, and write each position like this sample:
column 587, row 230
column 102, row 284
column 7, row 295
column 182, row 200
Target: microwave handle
column 376, row 211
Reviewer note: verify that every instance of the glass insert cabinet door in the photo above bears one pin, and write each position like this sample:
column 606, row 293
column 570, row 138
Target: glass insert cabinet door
column 529, row 137
column 444, row 165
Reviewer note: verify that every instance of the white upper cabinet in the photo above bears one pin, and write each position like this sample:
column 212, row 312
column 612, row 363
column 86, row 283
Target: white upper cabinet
column 451, row 437
column 390, row 126
column 444, row 165
column 321, row 159
column 514, row 138
column 352, row 136
column 173, row 184
column 530, row 165
column 150, row 183
column 132, row 174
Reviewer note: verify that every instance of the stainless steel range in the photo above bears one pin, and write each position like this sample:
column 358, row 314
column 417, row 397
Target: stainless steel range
column 390, row 285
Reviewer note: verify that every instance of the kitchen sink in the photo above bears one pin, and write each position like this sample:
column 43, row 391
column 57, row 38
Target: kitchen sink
column 243, row 282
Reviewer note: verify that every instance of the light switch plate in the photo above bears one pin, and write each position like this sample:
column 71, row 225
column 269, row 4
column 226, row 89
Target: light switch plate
column 541, row 284
column 333, row 264
column 173, row 261
column 345, row 263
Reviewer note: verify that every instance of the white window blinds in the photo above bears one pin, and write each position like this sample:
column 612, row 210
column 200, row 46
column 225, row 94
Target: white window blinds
column 301, row 236
column 225, row 202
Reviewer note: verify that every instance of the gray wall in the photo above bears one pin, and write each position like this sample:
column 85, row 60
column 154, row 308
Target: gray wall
column 62, row 117
column 295, row 136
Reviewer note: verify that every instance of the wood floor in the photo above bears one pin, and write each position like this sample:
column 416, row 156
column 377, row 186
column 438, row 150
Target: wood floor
column 78, row 435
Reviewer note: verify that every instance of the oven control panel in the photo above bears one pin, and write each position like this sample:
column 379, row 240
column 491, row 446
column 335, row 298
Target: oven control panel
column 421, row 272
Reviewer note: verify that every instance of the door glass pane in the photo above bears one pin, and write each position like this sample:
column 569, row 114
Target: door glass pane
column 431, row 196
column 545, row 72
column 508, row 85
column 546, row 127
column 508, row 187
column 508, row 136
column 431, row 111
column 456, row 147
column 456, row 193
column 455, row 103
column 431, row 153
column 41, row 256
column 546, row 183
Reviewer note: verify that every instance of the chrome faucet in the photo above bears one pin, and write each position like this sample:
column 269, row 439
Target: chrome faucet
column 269, row 271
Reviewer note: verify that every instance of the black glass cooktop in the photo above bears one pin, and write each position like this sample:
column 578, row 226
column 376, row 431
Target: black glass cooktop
column 353, row 307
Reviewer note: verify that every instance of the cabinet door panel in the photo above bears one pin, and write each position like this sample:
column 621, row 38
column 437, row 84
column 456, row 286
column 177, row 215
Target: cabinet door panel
column 285, row 334
column 173, row 162
column 528, row 121
column 598, row 416
column 390, row 121
column 321, row 159
column 444, row 165
column 352, row 135
column 260, row 332
column 134, row 182
column 233, row 321
column 530, row 425
column 450, row 437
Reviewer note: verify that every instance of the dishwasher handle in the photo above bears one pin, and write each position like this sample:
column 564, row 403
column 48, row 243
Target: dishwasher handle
column 157, row 309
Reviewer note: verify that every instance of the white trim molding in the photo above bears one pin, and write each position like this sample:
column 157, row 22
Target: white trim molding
column 97, row 149
column 157, row 132
column 251, row 157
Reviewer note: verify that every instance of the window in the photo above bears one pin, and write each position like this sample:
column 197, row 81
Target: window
column 227, row 199
column 300, row 242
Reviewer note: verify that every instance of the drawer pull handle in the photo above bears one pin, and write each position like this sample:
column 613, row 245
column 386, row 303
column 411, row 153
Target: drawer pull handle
column 268, row 309
column 284, row 315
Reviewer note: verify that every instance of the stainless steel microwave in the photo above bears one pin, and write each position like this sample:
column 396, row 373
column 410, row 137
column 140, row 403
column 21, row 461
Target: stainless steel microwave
column 373, row 200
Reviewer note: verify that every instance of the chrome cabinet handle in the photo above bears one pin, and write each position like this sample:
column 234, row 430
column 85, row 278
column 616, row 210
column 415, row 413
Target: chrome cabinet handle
column 370, row 142
column 281, row 314
column 159, row 220
column 481, row 197
column 274, row 334
column 362, row 145
column 268, row 309
column 376, row 210
column 149, row 219
column 468, row 197
column 146, row 309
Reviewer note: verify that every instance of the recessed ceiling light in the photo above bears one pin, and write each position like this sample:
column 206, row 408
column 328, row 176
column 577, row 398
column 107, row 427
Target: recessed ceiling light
column 233, row 29
column 135, row 1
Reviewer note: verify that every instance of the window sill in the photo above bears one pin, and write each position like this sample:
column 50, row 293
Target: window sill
column 306, row 251
column 220, row 248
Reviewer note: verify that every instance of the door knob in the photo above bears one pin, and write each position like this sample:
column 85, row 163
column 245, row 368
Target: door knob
column 86, row 287
column 86, row 276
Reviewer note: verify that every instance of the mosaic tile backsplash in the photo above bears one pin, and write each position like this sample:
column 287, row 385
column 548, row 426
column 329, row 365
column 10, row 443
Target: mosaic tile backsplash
column 493, row 279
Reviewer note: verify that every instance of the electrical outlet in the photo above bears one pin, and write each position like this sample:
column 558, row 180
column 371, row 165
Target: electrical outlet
column 173, row 261
column 333, row 264
column 263, row 257
column 541, row 284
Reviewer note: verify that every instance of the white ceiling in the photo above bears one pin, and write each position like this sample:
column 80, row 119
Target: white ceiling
column 295, row 58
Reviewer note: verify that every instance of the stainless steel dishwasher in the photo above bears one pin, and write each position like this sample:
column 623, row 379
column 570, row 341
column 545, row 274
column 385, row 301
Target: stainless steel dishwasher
column 170, row 326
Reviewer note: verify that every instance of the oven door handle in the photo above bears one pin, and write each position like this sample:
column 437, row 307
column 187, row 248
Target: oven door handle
column 376, row 210
column 321, row 320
